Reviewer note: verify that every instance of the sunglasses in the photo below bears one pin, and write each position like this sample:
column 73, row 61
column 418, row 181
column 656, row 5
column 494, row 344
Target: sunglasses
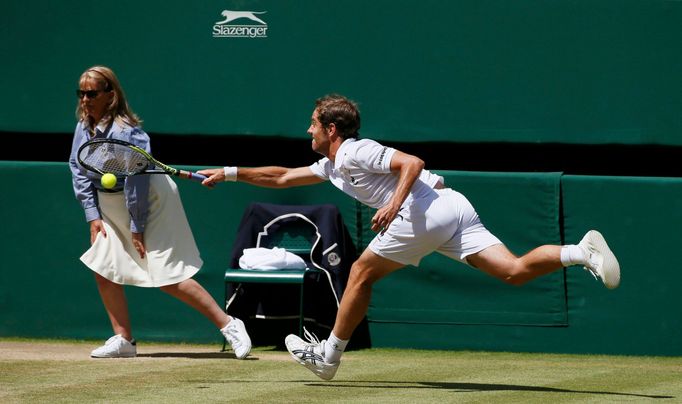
column 89, row 93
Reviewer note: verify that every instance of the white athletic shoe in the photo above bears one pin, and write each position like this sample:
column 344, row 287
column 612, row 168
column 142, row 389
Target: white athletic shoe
column 116, row 347
column 602, row 263
column 236, row 335
column 311, row 355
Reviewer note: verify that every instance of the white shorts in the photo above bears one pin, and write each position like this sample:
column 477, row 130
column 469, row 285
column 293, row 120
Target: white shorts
column 445, row 222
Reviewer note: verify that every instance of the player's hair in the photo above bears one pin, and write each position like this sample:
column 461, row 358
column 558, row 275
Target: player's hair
column 340, row 111
column 118, row 108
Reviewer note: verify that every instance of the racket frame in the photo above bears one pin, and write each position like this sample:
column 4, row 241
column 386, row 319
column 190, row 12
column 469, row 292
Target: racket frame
column 151, row 161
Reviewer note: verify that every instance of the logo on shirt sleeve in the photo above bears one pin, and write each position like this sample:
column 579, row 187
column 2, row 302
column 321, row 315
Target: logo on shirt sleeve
column 380, row 162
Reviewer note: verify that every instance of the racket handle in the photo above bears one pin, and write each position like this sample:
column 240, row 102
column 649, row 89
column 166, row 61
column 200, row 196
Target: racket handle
column 191, row 176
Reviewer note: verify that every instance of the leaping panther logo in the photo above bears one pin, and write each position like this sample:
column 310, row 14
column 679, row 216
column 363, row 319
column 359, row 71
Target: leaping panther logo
column 234, row 15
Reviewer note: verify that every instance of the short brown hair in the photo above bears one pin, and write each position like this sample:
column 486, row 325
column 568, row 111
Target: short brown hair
column 340, row 111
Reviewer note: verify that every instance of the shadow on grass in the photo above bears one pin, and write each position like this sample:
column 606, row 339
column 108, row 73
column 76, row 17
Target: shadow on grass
column 194, row 355
column 471, row 387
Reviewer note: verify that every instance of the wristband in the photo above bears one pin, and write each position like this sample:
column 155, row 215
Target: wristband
column 230, row 173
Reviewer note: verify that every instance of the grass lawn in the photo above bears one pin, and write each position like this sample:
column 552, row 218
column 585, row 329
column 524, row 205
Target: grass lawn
column 61, row 371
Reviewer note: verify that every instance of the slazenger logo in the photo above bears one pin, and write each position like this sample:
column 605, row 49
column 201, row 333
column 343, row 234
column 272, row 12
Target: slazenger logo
column 253, row 28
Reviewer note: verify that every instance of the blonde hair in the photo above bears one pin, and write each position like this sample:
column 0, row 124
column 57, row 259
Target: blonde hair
column 118, row 108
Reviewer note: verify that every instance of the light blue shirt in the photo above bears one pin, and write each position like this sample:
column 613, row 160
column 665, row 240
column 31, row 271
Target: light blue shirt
column 86, row 183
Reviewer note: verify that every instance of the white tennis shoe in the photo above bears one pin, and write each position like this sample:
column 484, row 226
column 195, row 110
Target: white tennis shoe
column 601, row 262
column 311, row 355
column 116, row 347
column 236, row 335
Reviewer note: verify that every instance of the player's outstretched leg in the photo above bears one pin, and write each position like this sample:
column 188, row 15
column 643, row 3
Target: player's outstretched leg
column 601, row 262
column 311, row 355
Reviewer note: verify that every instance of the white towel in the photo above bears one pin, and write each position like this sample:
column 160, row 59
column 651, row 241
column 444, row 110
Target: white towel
column 267, row 259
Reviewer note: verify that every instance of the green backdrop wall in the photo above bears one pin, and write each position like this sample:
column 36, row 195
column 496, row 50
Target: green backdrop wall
column 46, row 292
column 567, row 71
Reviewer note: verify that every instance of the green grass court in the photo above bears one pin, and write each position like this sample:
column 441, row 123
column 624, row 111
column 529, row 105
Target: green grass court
column 61, row 371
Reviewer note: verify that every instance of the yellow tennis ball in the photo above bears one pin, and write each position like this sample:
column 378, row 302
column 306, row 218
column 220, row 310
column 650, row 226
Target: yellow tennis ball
column 108, row 180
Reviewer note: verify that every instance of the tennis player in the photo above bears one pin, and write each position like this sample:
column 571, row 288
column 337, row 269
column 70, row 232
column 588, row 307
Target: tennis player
column 416, row 215
column 139, row 233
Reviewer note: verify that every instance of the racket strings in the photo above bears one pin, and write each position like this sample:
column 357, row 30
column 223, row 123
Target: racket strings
column 114, row 158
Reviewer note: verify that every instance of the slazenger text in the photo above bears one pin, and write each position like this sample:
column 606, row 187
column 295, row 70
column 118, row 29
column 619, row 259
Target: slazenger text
column 239, row 31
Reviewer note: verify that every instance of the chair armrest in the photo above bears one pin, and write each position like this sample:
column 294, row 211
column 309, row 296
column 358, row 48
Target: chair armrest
column 275, row 276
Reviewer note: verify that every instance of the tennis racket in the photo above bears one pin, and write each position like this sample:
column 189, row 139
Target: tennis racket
column 124, row 159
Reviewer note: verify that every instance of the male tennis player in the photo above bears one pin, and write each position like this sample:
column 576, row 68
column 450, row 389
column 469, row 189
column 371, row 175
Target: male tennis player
column 416, row 215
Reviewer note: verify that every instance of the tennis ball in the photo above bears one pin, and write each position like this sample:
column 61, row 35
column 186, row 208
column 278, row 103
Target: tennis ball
column 108, row 180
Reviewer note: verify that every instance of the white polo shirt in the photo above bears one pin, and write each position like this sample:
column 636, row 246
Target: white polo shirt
column 362, row 169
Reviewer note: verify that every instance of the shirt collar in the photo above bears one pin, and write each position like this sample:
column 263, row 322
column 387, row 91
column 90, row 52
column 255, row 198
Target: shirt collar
column 103, row 126
column 341, row 153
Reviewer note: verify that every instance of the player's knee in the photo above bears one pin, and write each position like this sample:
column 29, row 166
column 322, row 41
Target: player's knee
column 360, row 277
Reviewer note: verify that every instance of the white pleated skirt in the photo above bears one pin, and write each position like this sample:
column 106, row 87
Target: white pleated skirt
column 172, row 254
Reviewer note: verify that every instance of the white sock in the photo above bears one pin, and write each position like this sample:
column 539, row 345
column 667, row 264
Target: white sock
column 572, row 254
column 334, row 348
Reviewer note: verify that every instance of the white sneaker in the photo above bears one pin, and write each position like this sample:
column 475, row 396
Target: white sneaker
column 311, row 355
column 116, row 347
column 602, row 263
column 236, row 335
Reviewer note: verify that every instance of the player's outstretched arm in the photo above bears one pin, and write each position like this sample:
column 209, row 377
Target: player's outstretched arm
column 269, row 177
